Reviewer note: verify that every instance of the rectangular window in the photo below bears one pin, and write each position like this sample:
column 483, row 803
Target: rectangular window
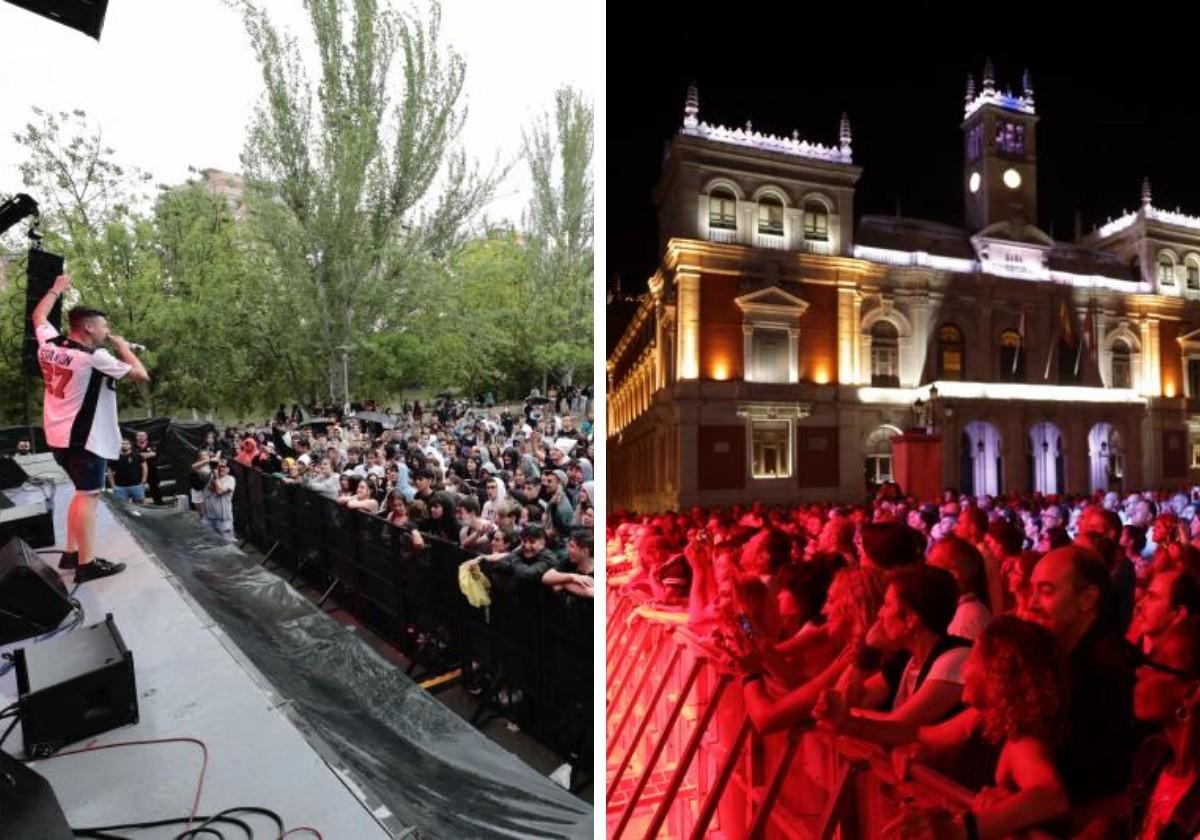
column 1121, row 374
column 1193, row 378
column 951, row 364
column 722, row 213
column 771, row 448
column 1195, row 455
column 769, row 354
column 884, row 368
column 1193, row 278
column 1166, row 273
column 879, row 469
column 816, row 225
column 770, row 219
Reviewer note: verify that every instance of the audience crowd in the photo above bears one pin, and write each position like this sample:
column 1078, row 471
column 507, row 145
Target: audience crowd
column 1044, row 651
column 513, row 488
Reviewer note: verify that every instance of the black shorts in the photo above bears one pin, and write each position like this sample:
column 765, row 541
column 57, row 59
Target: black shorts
column 86, row 469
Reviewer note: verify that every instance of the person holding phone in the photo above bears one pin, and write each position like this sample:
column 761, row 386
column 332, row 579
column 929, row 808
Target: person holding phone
column 79, row 413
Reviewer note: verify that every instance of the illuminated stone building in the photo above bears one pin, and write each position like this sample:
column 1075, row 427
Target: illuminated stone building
column 780, row 345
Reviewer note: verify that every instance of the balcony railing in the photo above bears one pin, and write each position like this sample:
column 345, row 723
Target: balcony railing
column 716, row 234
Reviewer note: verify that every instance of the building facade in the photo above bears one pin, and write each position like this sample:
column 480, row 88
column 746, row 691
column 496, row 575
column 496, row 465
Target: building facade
column 781, row 346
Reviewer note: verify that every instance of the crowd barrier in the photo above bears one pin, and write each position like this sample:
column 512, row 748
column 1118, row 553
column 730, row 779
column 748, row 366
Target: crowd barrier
column 684, row 760
column 528, row 655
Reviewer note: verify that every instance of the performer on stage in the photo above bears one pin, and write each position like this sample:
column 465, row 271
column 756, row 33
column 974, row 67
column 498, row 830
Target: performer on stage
column 80, row 416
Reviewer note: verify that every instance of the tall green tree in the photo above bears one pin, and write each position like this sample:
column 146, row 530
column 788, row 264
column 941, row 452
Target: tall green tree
column 561, row 224
column 353, row 187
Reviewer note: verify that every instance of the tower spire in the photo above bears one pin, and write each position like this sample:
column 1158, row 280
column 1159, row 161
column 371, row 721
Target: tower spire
column 1027, row 84
column 970, row 97
column 989, row 77
column 1146, row 192
column 692, row 107
column 844, row 136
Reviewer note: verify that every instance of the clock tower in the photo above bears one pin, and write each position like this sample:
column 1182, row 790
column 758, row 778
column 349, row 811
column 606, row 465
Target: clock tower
column 1000, row 154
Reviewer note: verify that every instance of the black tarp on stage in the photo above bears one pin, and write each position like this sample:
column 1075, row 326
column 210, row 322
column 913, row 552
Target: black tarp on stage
column 431, row 768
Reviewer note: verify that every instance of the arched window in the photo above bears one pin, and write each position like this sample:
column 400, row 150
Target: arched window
column 950, row 353
column 722, row 209
column 1166, row 271
column 1122, row 376
column 885, row 355
column 816, row 221
column 1012, row 357
column 770, row 215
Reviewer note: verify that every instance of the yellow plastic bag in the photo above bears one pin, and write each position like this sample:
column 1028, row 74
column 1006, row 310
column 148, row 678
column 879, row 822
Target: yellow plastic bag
column 474, row 585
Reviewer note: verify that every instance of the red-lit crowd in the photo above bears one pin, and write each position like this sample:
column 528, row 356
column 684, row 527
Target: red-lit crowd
column 1044, row 651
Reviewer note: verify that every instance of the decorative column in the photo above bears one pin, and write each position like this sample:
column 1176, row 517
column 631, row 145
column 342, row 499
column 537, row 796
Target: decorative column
column 749, row 368
column 793, row 355
column 688, row 283
column 1151, row 370
column 849, row 304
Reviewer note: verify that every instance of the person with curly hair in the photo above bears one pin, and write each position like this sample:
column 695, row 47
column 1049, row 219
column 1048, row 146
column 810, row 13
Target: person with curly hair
column 1018, row 696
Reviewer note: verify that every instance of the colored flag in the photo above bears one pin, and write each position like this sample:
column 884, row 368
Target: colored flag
column 1064, row 323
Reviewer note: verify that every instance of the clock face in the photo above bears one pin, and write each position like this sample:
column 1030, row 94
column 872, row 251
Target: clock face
column 973, row 183
column 1012, row 178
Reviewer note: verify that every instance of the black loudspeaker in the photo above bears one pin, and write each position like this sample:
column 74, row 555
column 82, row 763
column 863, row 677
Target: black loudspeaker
column 85, row 15
column 33, row 599
column 28, row 807
column 74, row 686
column 41, row 271
column 11, row 473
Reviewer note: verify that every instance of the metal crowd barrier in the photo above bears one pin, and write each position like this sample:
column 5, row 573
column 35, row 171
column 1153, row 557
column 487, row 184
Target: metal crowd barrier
column 528, row 655
column 684, row 760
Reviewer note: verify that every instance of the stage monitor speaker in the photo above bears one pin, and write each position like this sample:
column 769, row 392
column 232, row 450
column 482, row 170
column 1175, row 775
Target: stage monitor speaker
column 41, row 271
column 11, row 473
column 33, row 599
column 31, row 518
column 28, row 807
column 87, row 16
column 74, row 686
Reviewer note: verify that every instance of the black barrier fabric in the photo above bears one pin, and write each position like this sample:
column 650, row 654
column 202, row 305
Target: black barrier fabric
column 529, row 655
column 431, row 768
column 175, row 443
column 10, row 436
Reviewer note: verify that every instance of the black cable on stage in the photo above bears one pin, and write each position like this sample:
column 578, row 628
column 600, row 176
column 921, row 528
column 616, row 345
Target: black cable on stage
column 101, row 830
column 100, row 835
column 8, row 731
column 278, row 820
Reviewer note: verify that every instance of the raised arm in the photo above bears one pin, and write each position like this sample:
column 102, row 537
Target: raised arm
column 41, row 312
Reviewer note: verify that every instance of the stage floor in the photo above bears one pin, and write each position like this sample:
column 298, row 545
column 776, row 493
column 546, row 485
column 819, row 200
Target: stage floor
column 192, row 682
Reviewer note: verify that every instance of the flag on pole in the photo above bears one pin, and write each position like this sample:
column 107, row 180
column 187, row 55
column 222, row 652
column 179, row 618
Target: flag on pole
column 1020, row 340
column 1055, row 327
column 1089, row 330
column 1064, row 322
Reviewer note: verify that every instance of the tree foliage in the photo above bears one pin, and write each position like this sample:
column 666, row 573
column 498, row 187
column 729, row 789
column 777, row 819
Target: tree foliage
column 357, row 234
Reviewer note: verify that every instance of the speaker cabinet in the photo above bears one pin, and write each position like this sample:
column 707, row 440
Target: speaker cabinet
column 74, row 686
column 33, row 600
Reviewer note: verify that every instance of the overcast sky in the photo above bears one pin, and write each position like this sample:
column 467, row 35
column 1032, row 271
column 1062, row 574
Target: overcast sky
column 172, row 84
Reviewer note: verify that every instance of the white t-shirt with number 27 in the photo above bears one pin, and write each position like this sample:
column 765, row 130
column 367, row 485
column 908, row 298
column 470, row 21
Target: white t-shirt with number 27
column 80, row 407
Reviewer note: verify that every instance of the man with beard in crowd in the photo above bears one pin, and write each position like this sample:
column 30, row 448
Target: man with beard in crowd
column 1073, row 599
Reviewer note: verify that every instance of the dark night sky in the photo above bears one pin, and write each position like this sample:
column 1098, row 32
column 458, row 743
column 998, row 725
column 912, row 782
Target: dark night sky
column 1114, row 103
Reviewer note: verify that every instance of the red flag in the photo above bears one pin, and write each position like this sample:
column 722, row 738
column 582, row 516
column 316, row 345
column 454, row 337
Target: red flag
column 1064, row 323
